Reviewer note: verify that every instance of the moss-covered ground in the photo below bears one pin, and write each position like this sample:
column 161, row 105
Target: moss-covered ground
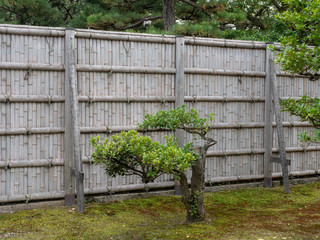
column 256, row 213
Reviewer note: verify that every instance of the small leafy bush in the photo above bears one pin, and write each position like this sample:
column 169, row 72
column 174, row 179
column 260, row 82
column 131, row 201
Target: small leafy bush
column 308, row 109
column 129, row 153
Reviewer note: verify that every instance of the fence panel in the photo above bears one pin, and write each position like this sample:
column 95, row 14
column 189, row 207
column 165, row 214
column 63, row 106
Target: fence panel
column 121, row 77
column 32, row 115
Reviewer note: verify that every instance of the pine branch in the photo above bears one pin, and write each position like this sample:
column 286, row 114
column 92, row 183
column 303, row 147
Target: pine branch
column 140, row 22
column 278, row 6
column 196, row 7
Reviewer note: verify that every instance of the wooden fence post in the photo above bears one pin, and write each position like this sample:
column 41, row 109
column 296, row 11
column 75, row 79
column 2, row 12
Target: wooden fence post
column 72, row 128
column 267, row 166
column 179, row 93
column 69, row 170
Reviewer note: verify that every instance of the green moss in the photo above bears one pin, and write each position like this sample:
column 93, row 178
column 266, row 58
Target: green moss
column 243, row 214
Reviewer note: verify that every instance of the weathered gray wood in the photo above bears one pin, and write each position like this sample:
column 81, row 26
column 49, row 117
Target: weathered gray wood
column 225, row 43
column 149, row 38
column 240, row 152
column 69, row 145
column 29, row 31
column 31, row 99
column 261, row 176
column 179, row 94
column 127, row 99
column 153, row 70
column 31, row 197
column 224, row 72
column 30, row 131
column 179, row 78
column 267, row 167
column 75, row 124
column 30, row 66
column 124, row 69
column 282, row 145
column 32, row 163
column 285, row 74
column 252, row 99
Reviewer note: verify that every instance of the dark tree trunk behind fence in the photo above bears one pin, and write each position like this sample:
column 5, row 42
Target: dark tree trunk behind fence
column 168, row 13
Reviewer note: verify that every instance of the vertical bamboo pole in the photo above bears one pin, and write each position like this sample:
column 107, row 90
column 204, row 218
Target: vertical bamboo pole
column 179, row 93
column 267, row 166
column 69, row 171
column 282, row 145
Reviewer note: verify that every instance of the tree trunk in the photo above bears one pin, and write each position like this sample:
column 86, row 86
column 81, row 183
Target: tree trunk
column 168, row 13
column 193, row 198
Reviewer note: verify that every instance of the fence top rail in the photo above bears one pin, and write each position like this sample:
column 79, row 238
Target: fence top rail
column 124, row 36
column 84, row 33
column 225, row 43
column 104, row 35
column 32, row 27
column 124, row 33
column 31, row 30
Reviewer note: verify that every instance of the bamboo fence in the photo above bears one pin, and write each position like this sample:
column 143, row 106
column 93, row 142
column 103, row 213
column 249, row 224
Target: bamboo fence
column 120, row 77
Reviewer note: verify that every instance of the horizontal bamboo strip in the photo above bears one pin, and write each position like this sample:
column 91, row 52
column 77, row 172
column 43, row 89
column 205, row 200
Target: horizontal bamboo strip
column 32, row 27
column 127, row 99
column 31, row 197
column 236, row 152
column 132, row 187
column 261, row 176
column 236, row 125
column 224, row 72
column 107, row 129
column 126, row 37
column 31, row 99
column 278, row 46
column 29, row 131
column 285, row 74
column 240, row 125
column 29, row 31
column 31, row 66
column 124, row 69
column 123, row 33
column 293, row 124
column 225, row 43
column 222, row 99
column 53, row 98
column 293, row 98
column 153, row 70
column 234, row 178
column 32, row 163
column 299, row 149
